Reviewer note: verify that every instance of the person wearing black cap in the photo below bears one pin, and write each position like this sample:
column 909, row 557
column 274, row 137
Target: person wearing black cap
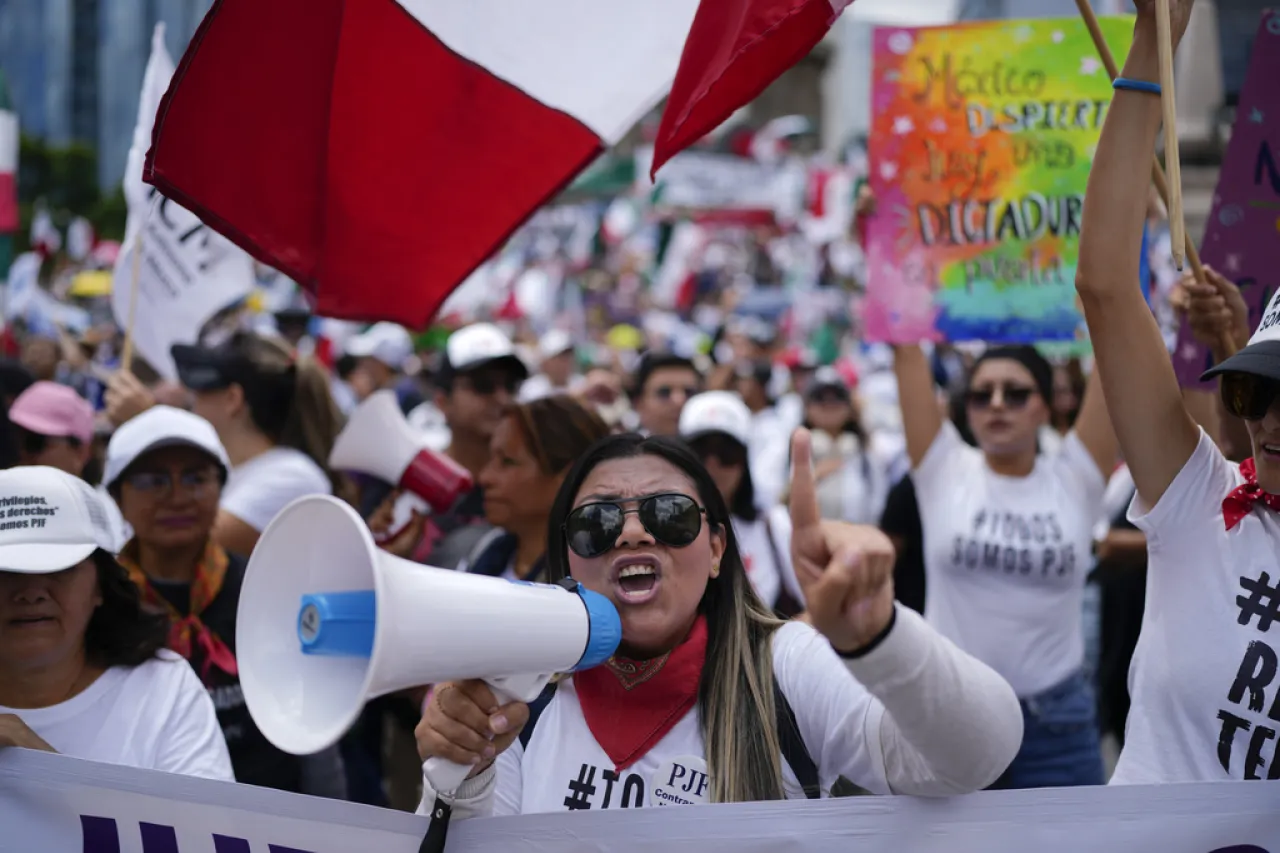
column 276, row 418
column 1008, row 533
column 1203, row 679
column 853, row 476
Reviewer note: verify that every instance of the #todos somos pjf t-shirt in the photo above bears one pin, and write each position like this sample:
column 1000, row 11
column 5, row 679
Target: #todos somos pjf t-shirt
column 156, row 716
column 1205, row 677
column 1006, row 557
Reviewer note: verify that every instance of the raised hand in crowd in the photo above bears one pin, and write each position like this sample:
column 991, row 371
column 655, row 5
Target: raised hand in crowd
column 1216, row 312
column 14, row 732
column 464, row 723
column 845, row 570
column 399, row 541
column 126, row 397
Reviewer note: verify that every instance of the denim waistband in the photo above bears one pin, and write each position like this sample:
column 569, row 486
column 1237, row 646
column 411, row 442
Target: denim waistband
column 1073, row 683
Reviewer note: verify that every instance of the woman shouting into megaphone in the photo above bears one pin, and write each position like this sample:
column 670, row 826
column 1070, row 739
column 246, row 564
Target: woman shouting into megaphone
column 710, row 698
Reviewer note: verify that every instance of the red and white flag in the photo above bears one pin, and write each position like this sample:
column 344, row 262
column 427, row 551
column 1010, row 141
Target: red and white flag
column 736, row 48
column 378, row 151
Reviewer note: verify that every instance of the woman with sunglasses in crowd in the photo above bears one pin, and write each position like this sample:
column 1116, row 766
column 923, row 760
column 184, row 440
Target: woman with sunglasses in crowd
column 1008, row 533
column 710, row 698
column 717, row 425
column 1203, row 680
column 83, row 667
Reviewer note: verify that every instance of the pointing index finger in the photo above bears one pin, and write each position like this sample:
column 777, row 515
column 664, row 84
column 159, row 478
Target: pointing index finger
column 804, row 490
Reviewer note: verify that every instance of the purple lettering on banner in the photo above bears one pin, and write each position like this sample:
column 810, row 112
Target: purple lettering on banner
column 158, row 839
column 99, row 834
column 1242, row 239
column 276, row 848
column 227, row 844
column 1240, row 848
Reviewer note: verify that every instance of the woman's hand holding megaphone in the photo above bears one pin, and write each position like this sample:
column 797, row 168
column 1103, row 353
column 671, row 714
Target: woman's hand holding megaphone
column 845, row 570
column 465, row 724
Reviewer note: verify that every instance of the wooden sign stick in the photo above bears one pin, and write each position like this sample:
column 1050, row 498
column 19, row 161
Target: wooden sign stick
column 1173, row 162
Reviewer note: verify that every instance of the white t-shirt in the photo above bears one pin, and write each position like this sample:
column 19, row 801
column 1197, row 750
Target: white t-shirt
column 1204, row 678
column 914, row 716
column 155, row 716
column 766, row 566
column 1006, row 557
column 258, row 489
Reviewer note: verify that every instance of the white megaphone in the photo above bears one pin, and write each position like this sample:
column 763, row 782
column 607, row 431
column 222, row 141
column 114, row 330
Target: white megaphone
column 378, row 440
column 327, row 622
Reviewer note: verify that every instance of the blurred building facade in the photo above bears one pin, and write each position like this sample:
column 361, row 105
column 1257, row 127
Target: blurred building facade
column 75, row 67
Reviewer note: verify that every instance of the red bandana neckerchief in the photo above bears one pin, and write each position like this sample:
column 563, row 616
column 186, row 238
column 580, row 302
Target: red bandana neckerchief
column 630, row 705
column 188, row 635
column 1242, row 498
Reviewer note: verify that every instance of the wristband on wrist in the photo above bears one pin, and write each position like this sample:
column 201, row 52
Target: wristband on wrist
column 1125, row 84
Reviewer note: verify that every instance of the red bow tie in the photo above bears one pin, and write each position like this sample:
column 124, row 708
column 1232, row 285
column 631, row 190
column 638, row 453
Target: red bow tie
column 1242, row 498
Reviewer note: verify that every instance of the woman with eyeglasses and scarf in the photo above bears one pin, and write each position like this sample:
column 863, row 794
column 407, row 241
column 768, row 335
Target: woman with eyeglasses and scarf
column 1204, row 674
column 710, row 697
column 1008, row 536
column 166, row 468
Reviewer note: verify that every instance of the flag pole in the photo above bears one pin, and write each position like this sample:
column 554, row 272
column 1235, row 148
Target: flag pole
column 1173, row 161
column 126, row 351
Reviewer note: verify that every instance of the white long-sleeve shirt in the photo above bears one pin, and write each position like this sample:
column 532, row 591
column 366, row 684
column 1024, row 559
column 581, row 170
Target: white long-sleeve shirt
column 914, row 716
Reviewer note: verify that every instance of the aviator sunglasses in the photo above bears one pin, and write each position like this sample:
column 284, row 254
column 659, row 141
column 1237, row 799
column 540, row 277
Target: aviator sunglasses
column 1247, row 395
column 1014, row 396
column 672, row 519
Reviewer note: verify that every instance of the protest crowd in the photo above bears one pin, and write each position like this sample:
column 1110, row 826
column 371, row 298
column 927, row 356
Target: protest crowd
column 846, row 561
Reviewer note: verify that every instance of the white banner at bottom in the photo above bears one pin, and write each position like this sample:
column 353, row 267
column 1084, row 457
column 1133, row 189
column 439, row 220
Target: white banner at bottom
column 55, row 804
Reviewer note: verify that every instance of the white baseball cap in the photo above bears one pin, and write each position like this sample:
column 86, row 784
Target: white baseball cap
column 555, row 342
column 388, row 343
column 157, row 427
column 716, row 411
column 49, row 520
column 474, row 346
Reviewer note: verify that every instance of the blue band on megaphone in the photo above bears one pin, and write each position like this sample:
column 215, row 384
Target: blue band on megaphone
column 604, row 631
column 338, row 624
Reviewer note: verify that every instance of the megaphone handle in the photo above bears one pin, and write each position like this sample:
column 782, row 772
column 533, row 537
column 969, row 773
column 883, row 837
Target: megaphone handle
column 447, row 776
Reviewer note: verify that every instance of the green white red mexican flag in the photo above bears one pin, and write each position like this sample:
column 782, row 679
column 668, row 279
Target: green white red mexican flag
column 8, row 162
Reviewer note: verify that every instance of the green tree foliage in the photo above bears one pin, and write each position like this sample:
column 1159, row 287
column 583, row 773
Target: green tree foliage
column 65, row 179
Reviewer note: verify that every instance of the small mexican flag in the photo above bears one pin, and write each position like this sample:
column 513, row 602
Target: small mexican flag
column 8, row 162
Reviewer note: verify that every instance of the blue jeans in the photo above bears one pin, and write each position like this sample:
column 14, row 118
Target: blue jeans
column 1060, row 743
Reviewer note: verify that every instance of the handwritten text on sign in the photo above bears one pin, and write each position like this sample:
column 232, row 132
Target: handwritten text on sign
column 981, row 143
column 1242, row 240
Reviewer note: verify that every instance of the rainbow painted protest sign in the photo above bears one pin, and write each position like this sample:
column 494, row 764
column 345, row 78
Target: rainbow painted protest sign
column 981, row 143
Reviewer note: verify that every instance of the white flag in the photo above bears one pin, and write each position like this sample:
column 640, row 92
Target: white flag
column 187, row 272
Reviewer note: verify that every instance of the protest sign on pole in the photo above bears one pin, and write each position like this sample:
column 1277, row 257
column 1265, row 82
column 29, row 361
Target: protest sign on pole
column 1242, row 238
column 173, row 272
column 982, row 140
column 56, row 803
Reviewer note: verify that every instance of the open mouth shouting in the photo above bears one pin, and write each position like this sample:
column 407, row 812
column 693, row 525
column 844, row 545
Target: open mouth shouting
column 636, row 578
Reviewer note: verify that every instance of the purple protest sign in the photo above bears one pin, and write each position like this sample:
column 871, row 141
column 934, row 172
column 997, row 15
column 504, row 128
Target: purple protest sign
column 1242, row 240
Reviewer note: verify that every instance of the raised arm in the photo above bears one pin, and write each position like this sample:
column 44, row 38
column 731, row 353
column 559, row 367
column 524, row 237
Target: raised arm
column 921, row 418
column 1155, row 432
column 1093, row 426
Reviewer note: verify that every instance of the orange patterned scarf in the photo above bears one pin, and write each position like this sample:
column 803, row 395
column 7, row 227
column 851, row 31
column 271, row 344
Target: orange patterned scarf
column 188, row 635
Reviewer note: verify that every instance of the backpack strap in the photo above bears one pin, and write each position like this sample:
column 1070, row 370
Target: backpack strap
column 536, row 707
column 794, row 751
